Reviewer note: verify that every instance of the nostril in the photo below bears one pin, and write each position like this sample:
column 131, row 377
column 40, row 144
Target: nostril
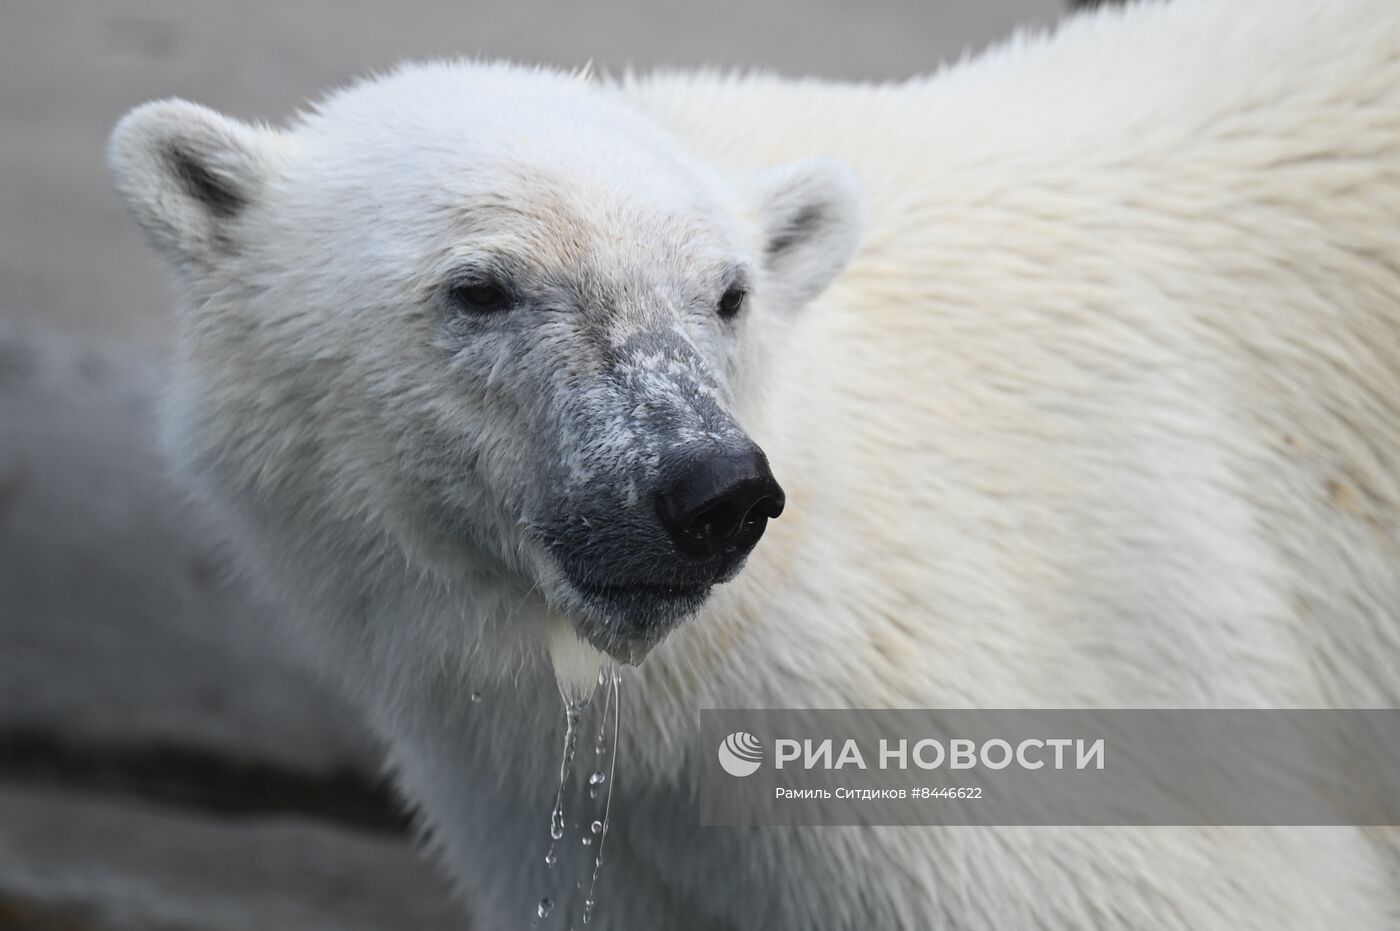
column 718, row 522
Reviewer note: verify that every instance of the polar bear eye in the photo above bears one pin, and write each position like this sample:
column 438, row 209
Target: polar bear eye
column 731, row 303
column 480, row 298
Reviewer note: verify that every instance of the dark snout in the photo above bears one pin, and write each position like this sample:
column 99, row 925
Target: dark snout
column 718, row 502
column 647, row 569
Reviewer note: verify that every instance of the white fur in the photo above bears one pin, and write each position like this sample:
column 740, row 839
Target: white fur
column 1105, row 411
column 576, row 664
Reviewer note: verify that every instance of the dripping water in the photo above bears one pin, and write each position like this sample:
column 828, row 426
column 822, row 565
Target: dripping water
column 600, row 781
column 601, row 827
column 572, row 711
column 596, row 780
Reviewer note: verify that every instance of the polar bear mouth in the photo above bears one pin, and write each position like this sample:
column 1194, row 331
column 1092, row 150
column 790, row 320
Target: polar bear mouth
column 627, row 619
column 643, row 590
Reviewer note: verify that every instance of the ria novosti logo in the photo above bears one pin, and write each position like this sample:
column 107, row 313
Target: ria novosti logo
column 740, row 754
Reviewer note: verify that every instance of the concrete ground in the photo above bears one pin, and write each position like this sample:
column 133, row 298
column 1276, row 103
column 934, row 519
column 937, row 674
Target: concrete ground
column 163, row 765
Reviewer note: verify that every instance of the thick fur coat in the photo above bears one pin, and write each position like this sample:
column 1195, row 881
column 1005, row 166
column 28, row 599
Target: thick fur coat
column 1079, row 363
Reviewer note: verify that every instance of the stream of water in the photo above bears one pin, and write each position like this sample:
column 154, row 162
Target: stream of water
column 594, row 804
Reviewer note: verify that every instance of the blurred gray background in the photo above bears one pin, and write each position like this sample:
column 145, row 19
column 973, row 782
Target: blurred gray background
column 162, row 766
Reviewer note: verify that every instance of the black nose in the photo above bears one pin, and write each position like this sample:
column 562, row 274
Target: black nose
column 719, row 503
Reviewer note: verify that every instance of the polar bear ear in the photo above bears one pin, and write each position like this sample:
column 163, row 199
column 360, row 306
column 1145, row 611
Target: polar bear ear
column 812, row 214
column 186, row 174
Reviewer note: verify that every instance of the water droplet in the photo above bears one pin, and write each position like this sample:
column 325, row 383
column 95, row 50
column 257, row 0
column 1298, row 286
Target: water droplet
column 587, row 841
column 556, row 831
column 551, row 858
column 546, row 906
column 597, row 778
column 588, row 910
column 597, row 826
column 476, row 696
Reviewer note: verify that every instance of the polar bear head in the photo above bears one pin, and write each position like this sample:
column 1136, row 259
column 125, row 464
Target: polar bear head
column 488, row 322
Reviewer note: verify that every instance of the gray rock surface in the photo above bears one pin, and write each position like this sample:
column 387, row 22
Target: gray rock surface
column 164, row 764
column 100, row 863
column 121, row 621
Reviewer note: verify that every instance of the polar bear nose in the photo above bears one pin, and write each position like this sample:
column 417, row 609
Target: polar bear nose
column 719, row 504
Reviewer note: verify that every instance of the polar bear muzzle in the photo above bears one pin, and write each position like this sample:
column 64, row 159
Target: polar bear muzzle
column 711, row 509
column 641, row 551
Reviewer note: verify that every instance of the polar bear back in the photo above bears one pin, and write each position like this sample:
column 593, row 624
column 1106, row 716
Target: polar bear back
column 1136, row 350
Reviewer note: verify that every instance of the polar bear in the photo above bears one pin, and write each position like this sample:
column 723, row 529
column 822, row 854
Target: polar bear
column 1069, row 376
